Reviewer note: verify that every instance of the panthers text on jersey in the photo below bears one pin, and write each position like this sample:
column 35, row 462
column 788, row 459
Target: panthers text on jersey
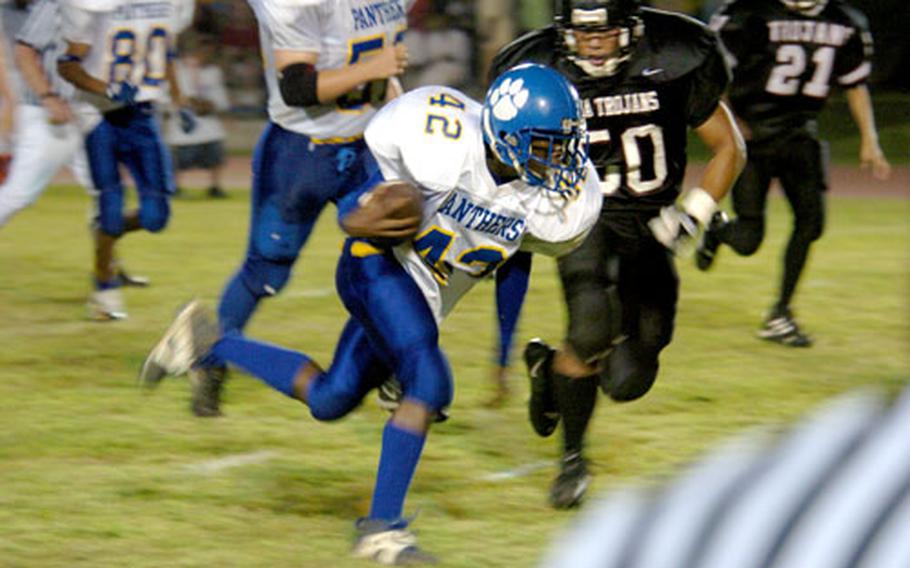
column 131, row 41
column 638, row 118
column 432, row 137
column 342, row 32
column 785, row 63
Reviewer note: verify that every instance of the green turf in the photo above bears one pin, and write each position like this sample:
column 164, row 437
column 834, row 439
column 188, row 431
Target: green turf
column 94, row 473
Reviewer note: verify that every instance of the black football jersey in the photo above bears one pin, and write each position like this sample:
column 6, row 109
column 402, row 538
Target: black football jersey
column 785, row 63
column 638, row 118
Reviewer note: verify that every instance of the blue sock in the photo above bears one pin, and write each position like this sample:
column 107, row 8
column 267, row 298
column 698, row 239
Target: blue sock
column 237, row 305
column 398, row 461
column 99, row 285
column 234, row 311
column 274, row 365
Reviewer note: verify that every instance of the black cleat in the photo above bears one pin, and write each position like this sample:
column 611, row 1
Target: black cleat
column 207, row 384
column 780, row 327
column 542, row 409
column 709, row 243
column 571, row 484
column 215, row 192
column 389, row 543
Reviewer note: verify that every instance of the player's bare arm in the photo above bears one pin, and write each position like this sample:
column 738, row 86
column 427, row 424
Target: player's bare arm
column 391, row 210
column 870, row 153
column 7, row 98
column 723, row 138
column 173, row 85
column 71, row 69
column 28, row 60
column 333, row 83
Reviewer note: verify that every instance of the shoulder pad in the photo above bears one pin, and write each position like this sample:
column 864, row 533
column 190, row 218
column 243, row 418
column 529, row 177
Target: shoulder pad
column 538, row 46
column 852, row 15
column 399, row 133
column 675, row 43
column 92, row 5
column 295, row 3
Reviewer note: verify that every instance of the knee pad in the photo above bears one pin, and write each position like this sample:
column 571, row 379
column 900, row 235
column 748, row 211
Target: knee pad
column 809, row 229
column 328, row 402
column 426, row 377
column 110, row 213
column 265, row 277
column 276, row 239
column 632, row 372
column 594, row 323
column 154, row 213
column 752, row 232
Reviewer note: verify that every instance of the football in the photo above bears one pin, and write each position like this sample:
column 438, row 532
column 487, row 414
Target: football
column 399, row 199
column 388, row 214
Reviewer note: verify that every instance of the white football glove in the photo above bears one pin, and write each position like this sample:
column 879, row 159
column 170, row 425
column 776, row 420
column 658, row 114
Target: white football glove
column 673, row 227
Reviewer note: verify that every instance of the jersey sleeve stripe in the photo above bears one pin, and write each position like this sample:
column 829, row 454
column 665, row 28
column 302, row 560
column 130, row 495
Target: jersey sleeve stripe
column 857, row 75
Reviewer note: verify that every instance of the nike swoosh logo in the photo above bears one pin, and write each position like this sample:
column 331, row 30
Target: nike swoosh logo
column 651, row 71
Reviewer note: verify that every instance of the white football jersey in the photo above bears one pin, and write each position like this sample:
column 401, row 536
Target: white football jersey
column 130, row 40
column 432, row 137
column 342, row 32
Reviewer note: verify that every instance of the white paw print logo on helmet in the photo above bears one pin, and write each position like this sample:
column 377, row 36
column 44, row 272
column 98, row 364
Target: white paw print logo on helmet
column 508, row 99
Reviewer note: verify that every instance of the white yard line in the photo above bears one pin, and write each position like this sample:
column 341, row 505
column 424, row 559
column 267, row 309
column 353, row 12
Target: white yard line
column 519, row 471
column 209, row 467
column 309, row 293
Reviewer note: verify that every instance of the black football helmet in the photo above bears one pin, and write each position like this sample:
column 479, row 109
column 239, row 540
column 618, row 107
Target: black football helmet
column 807, row 7
column 601, row 15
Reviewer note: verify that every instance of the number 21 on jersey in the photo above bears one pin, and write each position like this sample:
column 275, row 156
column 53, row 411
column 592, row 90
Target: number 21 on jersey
column 786, row 77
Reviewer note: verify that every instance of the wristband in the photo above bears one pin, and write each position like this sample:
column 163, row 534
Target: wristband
column 48, row 95
column 699, row 204
column 67, row 58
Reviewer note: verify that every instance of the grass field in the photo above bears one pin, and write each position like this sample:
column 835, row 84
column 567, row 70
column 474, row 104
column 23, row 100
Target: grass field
column 94, row 473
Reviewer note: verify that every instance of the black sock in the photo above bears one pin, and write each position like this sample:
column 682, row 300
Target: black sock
column 795, row 257
column 576, row 398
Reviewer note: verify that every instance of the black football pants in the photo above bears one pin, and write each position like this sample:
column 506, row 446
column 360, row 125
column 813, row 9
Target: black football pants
column 799, row 162
column 621, row 284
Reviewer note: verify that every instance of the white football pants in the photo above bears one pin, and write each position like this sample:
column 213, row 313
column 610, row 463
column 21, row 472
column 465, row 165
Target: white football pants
column 39, row 150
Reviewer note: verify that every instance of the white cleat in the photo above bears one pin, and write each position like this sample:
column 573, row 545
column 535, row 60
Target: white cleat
column 189, row 337
column 389, row 543
column 106, row 305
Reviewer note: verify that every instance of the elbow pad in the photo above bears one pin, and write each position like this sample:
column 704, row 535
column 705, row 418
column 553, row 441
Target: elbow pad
column 297, row 83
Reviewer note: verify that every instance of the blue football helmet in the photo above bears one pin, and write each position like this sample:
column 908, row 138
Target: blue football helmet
column 532, row 121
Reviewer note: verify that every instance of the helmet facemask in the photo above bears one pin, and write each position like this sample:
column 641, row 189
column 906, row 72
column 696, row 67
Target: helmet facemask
column 589, row 27
column 806, row 7
column 556, row 162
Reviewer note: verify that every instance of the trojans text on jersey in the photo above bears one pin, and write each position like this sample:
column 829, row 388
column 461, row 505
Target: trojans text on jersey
column 822, row 33
column 630, row 103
